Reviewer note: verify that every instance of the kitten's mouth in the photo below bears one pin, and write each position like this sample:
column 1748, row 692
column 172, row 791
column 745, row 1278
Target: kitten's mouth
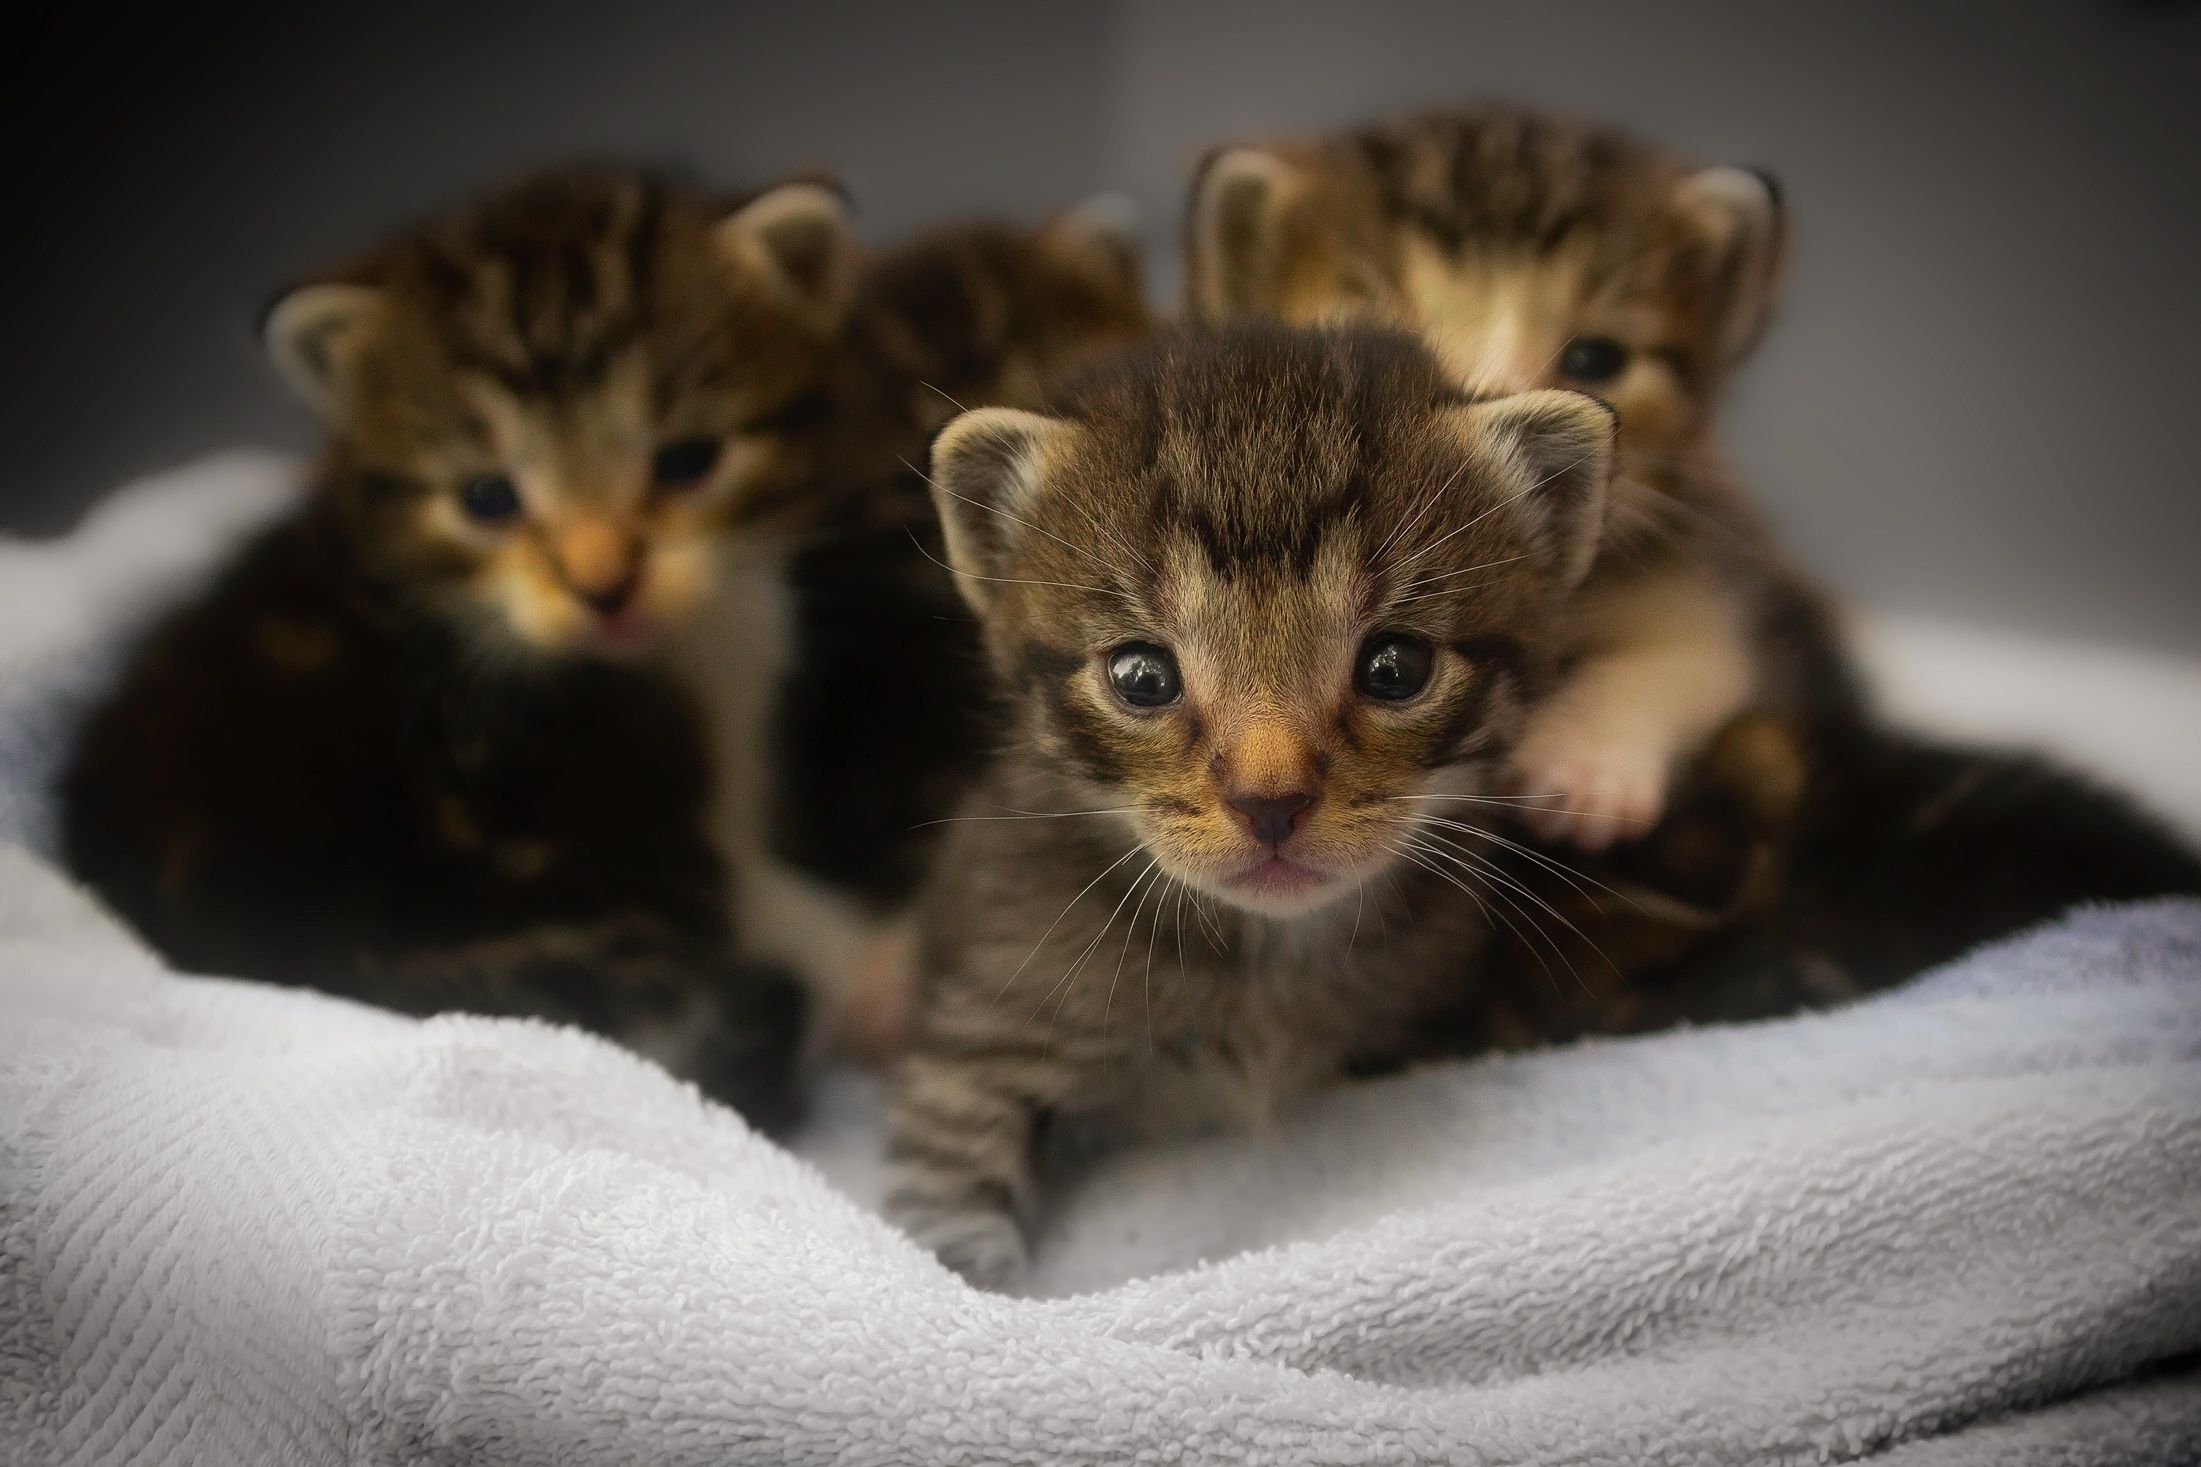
column 1275, row 874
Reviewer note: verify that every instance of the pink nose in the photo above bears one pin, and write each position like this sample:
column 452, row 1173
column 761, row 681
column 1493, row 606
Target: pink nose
column 1271, row 819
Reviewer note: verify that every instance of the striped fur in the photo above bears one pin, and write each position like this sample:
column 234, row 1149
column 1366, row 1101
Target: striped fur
column 1505, row 236
column 976, row 313
column 403, row 754
column 1105, row 944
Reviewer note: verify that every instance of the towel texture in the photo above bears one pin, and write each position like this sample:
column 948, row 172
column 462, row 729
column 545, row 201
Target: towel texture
column 1959, row 1224
column 242, row 1224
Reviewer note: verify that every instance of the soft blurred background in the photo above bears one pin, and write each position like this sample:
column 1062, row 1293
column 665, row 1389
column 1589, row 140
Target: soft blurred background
column 1978, row 403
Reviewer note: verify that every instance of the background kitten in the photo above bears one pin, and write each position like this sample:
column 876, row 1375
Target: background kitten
column 405, row 748
column 1533, row 251
column 1256, row 596
column 880, row 724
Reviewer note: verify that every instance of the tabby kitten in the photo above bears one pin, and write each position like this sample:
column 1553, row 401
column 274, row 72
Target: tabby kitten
column 1533, row 251
column 411, row 745
column 878, row 731
column 1263, row 601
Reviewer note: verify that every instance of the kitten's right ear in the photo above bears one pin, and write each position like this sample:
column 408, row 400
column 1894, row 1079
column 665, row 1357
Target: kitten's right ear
column 1247, row 217
column 313, row 334
column 986, row 470
column 797, row 241
column 1563, row 444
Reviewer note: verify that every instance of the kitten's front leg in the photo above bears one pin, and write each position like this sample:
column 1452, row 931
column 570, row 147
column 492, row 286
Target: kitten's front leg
column 960, row 1142
column 1598, row 754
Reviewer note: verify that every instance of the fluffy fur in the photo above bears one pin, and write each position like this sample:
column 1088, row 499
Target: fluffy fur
column 1531, row 251
column 879, row 729
column 408, row 746
column 1158, row 914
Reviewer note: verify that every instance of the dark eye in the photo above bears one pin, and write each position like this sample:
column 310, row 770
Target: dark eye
column 490, row 498
column 1593, row 359
column 684, row 463
column 1144, row 675
column 1393, row 667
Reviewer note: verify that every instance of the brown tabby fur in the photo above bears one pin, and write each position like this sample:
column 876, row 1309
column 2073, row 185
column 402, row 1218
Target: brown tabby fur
column 1105, row 943
column 1504, row 235
column 401, row 753
column 966, row 315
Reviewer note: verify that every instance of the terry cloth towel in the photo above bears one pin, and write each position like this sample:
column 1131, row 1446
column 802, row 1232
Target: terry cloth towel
column 1957, row 1224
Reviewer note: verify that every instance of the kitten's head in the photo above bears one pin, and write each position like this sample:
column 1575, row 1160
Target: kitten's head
column 549, row 405
column 1531, row 252
column 990, row 313
column 1260, row 589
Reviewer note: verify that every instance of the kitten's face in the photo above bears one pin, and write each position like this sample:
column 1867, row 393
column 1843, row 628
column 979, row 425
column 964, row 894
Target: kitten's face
column 1260, row 590
column 552, row 409
column 1528, row 251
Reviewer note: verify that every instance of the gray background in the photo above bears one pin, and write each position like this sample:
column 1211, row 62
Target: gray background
column 1979, row 400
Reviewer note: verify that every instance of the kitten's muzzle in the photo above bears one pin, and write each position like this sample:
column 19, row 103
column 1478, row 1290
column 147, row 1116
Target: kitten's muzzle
column 601, row 565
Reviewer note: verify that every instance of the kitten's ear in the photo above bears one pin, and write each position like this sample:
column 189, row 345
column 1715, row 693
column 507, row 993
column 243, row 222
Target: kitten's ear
column 313, row 334
column 1100, row 241
column 1736, row 215
column 798, row 241
column 1563, row 444
column 986, row 469
column 1249, row 218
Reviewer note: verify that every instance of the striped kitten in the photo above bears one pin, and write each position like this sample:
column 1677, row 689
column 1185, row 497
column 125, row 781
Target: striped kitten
column 879, row 731
column 1536, row 252
column 1262, row 601
column 411, row 745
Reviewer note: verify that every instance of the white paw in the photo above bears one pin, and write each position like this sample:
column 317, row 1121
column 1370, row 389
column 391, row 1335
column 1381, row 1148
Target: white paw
column 1582, row 785
column 987, row 1248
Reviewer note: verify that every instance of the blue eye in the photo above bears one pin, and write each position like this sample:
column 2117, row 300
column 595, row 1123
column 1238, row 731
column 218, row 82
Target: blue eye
column 490, row 498
column 684, row 464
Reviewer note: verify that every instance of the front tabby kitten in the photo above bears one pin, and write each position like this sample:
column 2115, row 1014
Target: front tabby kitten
column 1257, row 597
column 409, row 746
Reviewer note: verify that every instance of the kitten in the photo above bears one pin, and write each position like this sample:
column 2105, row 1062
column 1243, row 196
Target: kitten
column 1261, row 600
column 970, row 314
column 1532, row 251
column 411, row 746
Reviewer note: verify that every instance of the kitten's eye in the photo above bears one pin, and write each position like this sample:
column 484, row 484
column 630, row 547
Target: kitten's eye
column 1144, row 675
column 684, row 463
column 1593, row 359
column 490, row 498
column 1393, row 667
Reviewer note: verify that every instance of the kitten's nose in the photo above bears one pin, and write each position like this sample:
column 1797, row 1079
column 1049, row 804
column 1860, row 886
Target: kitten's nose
column 1271, row 819
column 601, row 564
column 610, row 600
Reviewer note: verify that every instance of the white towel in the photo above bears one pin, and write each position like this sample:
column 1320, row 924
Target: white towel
column 241, row 1224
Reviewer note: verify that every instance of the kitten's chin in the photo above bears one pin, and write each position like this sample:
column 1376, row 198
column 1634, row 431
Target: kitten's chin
column 1279, row 886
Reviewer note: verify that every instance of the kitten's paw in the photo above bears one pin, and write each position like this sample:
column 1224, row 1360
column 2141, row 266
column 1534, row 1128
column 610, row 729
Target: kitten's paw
column 1589, row 787
column 987, row 1248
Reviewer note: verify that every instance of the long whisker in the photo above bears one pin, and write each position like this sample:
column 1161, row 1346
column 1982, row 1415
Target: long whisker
column 1096, row 881
column 1494, row 873
column 1011, row 580
column 1426, row 857
column 1030, row 815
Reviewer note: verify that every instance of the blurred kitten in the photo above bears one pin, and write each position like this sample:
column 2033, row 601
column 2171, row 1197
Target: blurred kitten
column 1208, row 870
column 409, row 746
column 1532, row 251
column 881, row 723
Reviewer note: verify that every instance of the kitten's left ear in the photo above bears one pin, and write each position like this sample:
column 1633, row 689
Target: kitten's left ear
column 313, row 334
column 1736, row 216
column 1562, row 444
column 986, row 470
column 797, row 240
